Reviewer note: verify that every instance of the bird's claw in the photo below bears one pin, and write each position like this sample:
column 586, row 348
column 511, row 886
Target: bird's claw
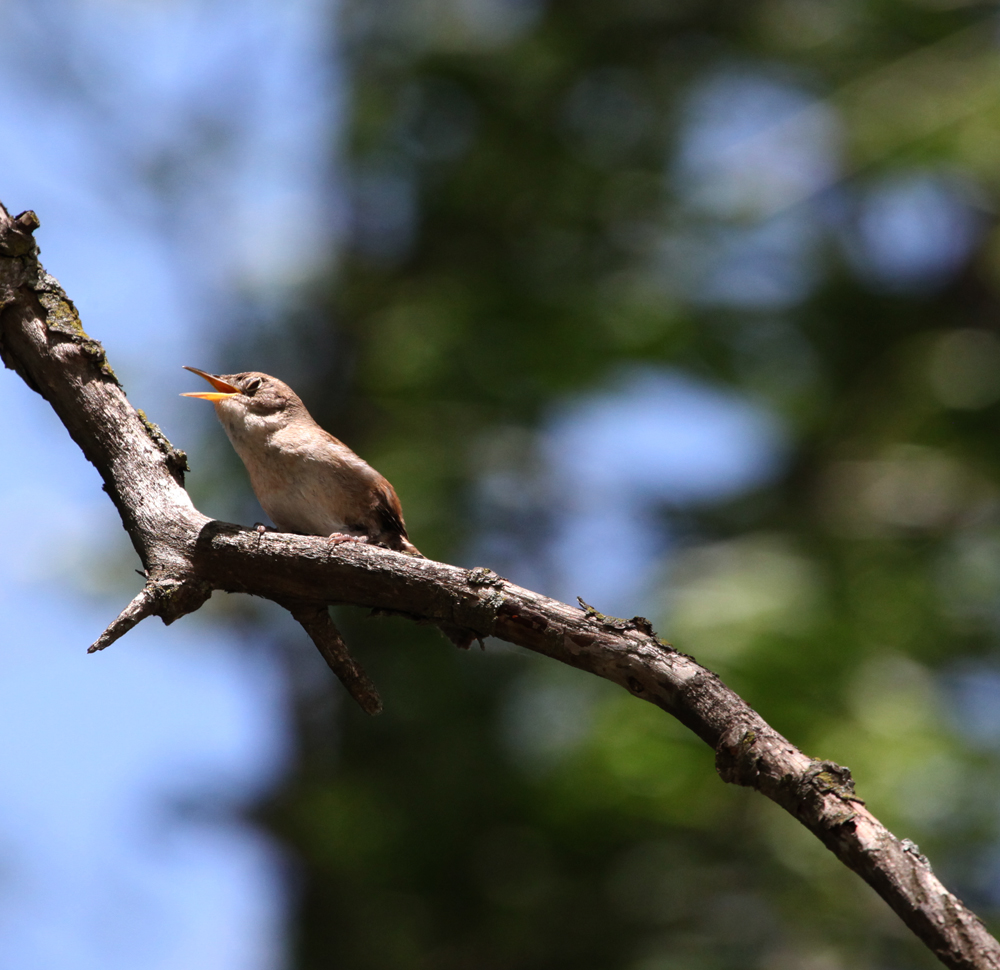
column 338, row 537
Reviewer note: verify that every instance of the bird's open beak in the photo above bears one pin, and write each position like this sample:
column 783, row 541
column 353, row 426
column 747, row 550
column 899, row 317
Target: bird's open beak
column 223, row 388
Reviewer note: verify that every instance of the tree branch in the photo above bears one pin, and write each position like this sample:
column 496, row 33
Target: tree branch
column 186, row 556
column 315, row 620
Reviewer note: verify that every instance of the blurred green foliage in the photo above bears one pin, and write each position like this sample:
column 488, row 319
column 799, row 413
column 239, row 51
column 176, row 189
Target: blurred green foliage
column 523, row 227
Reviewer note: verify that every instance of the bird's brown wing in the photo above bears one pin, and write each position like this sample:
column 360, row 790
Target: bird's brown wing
column 387, row 514
column 388, row 511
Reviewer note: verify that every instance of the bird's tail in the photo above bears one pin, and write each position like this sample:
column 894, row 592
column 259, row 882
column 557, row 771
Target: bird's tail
column 409, row 548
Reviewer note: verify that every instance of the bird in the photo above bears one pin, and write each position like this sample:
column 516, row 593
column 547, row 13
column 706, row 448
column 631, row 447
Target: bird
column 305, row 479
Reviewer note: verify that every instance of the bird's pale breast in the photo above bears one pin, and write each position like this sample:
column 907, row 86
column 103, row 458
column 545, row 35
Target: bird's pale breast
column 305, row 480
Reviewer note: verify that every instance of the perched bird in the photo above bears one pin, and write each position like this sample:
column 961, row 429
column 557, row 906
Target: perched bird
column 305, row 479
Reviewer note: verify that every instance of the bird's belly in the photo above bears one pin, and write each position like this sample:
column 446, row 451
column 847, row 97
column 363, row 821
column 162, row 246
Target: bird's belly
column 301, row 498
column 290, row 515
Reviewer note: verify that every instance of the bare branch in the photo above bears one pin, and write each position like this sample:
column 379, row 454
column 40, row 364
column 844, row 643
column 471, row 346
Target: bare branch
column 315, row 620
column 186, row 556
column 163, row 598
column 141, row 606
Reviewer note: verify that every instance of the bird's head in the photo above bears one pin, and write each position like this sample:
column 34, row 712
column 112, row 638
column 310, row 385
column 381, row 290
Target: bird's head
column 250, row 393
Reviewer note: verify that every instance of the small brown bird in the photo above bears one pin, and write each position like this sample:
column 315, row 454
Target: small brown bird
column 305, row 479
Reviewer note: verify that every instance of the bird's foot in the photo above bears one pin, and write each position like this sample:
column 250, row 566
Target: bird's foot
column 338, row 537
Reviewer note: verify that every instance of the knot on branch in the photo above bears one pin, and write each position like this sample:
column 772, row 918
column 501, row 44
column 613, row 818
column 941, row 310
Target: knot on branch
column 827, row 778
column 20, row 267
column 15, row 234
column 169, row 599
column 638, row 623
column 745, row 756
column 483, row 576
column 911, row 847
column 474, row 616
column 736, row 761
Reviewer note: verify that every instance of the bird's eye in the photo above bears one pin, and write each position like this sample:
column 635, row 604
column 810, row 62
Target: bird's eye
column 251, row 386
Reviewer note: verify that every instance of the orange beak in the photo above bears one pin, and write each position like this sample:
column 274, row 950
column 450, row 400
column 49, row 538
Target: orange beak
column 223, row 388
